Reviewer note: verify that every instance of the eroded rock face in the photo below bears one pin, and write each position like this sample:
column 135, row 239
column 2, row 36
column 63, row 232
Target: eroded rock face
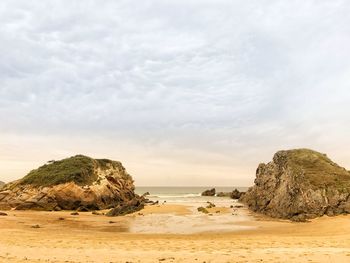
column 105, row 184
column 299, row 184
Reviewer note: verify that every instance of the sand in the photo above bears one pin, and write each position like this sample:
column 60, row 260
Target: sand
column 94, row 238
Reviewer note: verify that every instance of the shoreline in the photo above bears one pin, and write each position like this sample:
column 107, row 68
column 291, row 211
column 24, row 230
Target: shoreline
column 88, row 238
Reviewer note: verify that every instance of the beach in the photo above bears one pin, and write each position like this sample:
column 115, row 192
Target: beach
column 172, row 232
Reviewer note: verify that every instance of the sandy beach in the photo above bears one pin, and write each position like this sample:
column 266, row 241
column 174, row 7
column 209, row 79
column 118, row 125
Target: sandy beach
column 62, row 237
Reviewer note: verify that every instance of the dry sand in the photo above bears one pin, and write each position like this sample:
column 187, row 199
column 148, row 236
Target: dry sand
column 93, row 238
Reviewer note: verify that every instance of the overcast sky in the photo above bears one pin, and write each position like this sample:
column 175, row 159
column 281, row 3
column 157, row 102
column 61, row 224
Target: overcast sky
column 181, row 92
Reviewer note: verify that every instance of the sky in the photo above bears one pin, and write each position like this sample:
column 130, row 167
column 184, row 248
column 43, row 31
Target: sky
column 183, row 93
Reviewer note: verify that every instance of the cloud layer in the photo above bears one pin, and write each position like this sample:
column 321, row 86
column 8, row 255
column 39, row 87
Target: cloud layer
column 187, row 92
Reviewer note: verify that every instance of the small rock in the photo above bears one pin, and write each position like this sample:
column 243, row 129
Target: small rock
column 3, row 214
column 203, row 210
column 95, row 213
column 74, row 214
column 35, row 226
column 210, row 205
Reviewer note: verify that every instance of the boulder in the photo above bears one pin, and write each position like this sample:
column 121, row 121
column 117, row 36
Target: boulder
column 203, row 210
column 235, row 194
column 210, row 192
column 76, row 183
column 298, row 185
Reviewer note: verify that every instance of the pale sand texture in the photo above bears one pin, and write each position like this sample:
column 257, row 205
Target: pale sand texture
column 92, row 238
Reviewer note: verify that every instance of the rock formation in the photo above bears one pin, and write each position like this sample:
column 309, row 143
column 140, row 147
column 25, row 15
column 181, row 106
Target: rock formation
column 78, row 182
column 235, row 194
column 298, row 185
column 210, row 192
column 1, row 184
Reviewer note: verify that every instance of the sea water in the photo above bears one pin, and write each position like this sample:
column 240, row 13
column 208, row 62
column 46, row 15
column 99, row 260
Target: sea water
column 183, row 194
column 195, row 222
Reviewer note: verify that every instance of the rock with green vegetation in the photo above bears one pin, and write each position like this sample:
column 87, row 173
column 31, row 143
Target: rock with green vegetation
column 76, row 183
column 299, row 184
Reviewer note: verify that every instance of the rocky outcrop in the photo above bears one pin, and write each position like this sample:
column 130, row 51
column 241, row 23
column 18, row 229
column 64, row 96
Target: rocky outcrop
column 126, row 208
column 76, row 183
column 210, row 192
column 298, row 185
column 235, row 194
column 1, row 184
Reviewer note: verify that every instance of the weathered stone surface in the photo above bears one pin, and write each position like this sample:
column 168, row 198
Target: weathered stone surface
column 1, row 184
column 106, row 184
column 210, row 192
column 298, row 185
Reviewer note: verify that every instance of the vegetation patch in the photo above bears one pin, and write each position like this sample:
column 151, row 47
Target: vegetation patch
column 78, row 169
column 318, row 170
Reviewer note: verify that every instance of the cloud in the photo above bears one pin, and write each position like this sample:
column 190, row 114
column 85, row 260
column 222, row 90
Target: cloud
column 226, row 81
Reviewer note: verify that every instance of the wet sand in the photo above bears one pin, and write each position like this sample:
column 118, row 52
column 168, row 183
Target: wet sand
column 62, row 237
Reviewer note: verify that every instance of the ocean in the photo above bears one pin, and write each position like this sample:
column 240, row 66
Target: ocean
column 179, row 194
column 194, row 222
